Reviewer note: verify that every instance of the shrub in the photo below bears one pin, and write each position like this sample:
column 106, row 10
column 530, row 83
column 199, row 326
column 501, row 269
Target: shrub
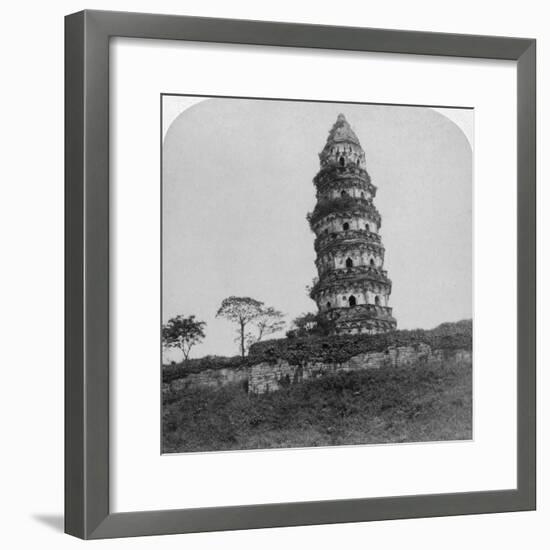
column 337, row 349
column 193, row 366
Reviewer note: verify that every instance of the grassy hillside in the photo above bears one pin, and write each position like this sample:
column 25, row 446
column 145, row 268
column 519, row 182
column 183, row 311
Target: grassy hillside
column 419, row 403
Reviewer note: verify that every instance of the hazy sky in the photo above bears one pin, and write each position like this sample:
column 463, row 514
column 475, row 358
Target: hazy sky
column 237, row 185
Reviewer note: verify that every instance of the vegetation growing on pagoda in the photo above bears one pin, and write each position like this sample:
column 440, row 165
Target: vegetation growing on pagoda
column 343, row 205
column 331, row 172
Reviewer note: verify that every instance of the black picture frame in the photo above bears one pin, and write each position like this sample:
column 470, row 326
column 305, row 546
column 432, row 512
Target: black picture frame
column 87, row 35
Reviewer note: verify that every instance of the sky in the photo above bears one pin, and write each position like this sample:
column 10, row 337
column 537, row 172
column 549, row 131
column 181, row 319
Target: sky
column 237, row 185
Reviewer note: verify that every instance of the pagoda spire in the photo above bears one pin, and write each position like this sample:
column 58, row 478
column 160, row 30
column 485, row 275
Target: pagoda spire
column 341, row 132
column 352, row 288
column 342, row 145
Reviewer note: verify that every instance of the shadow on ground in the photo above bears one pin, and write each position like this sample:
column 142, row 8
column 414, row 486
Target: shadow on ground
column 53, row 521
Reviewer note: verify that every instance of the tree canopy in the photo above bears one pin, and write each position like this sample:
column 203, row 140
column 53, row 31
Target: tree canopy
column 254, row 320
column 268, row 322
column 183, row 333
column 310, row 324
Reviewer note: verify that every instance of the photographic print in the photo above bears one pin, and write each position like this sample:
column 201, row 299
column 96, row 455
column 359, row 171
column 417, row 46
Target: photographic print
column 316, row 273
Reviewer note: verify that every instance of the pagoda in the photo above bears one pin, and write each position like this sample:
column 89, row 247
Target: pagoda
column 352, row 288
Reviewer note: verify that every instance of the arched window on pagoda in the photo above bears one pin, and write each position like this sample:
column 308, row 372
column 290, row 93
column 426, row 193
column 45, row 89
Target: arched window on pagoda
column 345, row 227
column 371, row 262
column 352, row 301
column 342, row 161
column 377, row 300
column 328, row 305
column 349, row 262
column 344, row 194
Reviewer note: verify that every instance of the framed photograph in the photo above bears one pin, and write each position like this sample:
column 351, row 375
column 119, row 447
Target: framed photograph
column 300, row 274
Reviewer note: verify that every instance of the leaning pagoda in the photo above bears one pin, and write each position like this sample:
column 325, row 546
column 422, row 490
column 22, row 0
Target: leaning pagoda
column 352, row 289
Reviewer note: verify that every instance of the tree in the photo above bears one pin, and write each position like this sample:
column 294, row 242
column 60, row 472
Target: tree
column 269, row 321
column 305, row 323
column 183, row 333
column 311, row 324
column 247, row 311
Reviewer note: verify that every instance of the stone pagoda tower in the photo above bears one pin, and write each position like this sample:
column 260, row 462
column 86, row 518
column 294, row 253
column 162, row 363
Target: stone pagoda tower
column 352, row 288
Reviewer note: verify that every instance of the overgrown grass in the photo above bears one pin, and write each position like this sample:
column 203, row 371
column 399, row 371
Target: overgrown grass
column 421, row 403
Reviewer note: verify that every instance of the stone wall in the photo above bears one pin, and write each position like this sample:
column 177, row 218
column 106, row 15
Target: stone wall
column 209, row 378
column 338, row 349
column 267, row 376
column 274, row 364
